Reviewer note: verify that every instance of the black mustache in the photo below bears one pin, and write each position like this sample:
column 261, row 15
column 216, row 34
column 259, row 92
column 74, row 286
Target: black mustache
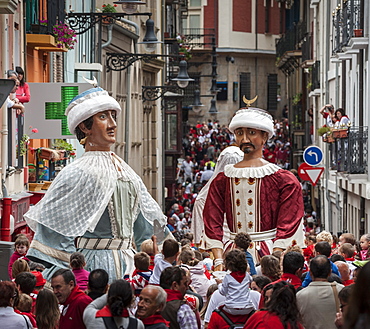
column 246, row 147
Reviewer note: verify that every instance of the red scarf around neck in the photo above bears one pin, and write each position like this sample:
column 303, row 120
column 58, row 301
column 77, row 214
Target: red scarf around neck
column 173, row 295
column 238, row 276
column 105, row 312
column 153, row 319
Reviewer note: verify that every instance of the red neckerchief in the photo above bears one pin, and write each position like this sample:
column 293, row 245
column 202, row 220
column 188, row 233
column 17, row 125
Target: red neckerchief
column 173, row 295
column 350, row 259
column 238, row 276
column 153, row 319
column 292, row 279
column 347, row 282
column 76, row 292
column 105, row 312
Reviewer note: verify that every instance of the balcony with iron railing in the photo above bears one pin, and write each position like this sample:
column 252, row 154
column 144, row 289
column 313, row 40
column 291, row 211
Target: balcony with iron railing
column 41, row 17
column 307, row 56
column 315, row 76
column 349, row 154
column 292, row 39
column 347, row 24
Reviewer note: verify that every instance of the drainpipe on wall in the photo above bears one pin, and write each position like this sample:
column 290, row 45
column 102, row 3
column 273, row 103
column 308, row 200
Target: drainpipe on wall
column 327, row 158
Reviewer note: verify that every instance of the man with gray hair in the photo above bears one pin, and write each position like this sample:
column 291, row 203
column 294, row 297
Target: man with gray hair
column 152, row 301
column 256, row 196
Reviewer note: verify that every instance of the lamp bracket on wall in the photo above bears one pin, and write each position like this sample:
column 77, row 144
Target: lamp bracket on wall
column 152, row 93
column 121, row 61
column 82, row 22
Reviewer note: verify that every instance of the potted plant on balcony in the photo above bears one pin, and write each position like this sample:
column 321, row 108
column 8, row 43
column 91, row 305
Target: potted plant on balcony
column 184, row 47
column 65, row 37
column 108, row 8
column 61, row 144
column 342, row 131
column 40, row 28
column 358, row 33
column 326, row 134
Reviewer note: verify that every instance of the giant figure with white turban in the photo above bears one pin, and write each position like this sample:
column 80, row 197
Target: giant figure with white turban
column 98, row 204
column 254, row 195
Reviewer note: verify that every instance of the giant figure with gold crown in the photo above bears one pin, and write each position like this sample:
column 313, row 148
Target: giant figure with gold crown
column 253, row 195
column 98, row 204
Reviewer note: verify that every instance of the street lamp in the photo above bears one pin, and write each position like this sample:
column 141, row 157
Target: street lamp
column 197, row 106
column 183, row 78
column 213, row 109
column 150, row 40
column 129, row 6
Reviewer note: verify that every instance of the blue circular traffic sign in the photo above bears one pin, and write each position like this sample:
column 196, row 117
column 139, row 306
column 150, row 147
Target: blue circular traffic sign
column 312, row 155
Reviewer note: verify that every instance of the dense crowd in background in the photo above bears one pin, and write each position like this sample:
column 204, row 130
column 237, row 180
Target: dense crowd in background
column 174, row 285
column 202, row 146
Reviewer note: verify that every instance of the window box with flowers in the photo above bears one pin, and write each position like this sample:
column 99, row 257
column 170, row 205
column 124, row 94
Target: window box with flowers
column 65, row 37
column 108, row 8
column 184, row 47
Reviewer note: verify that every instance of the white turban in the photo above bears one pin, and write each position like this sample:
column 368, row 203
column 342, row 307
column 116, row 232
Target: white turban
column 87, row 104
column 252, row 118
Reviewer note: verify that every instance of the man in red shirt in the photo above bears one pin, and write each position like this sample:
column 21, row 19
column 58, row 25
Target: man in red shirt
column 73, row 299
column 293, row 263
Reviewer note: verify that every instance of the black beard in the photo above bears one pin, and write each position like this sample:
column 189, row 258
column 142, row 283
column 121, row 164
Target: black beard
column 246, row 147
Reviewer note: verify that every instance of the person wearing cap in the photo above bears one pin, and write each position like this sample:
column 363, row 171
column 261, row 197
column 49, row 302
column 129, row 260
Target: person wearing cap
column 98, row 198
column 256, row 196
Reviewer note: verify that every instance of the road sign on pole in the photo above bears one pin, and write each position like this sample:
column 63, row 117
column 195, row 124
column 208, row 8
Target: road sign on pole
column 312, row 155
column 309, row 173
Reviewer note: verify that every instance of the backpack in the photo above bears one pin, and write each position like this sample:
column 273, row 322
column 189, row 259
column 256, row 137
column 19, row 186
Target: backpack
column 110, row 324
column 231, row 324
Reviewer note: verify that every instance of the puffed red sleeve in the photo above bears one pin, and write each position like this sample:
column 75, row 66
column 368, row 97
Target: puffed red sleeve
column 290, row 213
column 214, row 209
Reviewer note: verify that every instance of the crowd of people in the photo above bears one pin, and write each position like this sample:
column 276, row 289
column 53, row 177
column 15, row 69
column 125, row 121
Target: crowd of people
column 202, row 146
column 321, row 286
column 82, row 271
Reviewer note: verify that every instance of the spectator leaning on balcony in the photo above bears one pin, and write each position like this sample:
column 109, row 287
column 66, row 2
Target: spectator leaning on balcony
column 342, row 119
column 327, row 112
column 23, row 90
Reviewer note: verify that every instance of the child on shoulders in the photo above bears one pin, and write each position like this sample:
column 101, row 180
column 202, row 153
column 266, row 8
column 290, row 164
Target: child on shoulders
column 242, row 241
column 142, row 274
column 235, row 285
column 169, row 254
column 77, row 263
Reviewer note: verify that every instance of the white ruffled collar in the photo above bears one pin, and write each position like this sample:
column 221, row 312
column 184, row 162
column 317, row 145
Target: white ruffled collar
column 251, row 172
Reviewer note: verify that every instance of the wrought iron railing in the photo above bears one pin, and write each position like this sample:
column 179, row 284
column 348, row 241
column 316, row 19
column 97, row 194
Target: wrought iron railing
column 350, row 154
column 39, row 22
column 315, row 75
column 347, row 23
column 199, row 37
column 292, row 39
column 307, row 48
